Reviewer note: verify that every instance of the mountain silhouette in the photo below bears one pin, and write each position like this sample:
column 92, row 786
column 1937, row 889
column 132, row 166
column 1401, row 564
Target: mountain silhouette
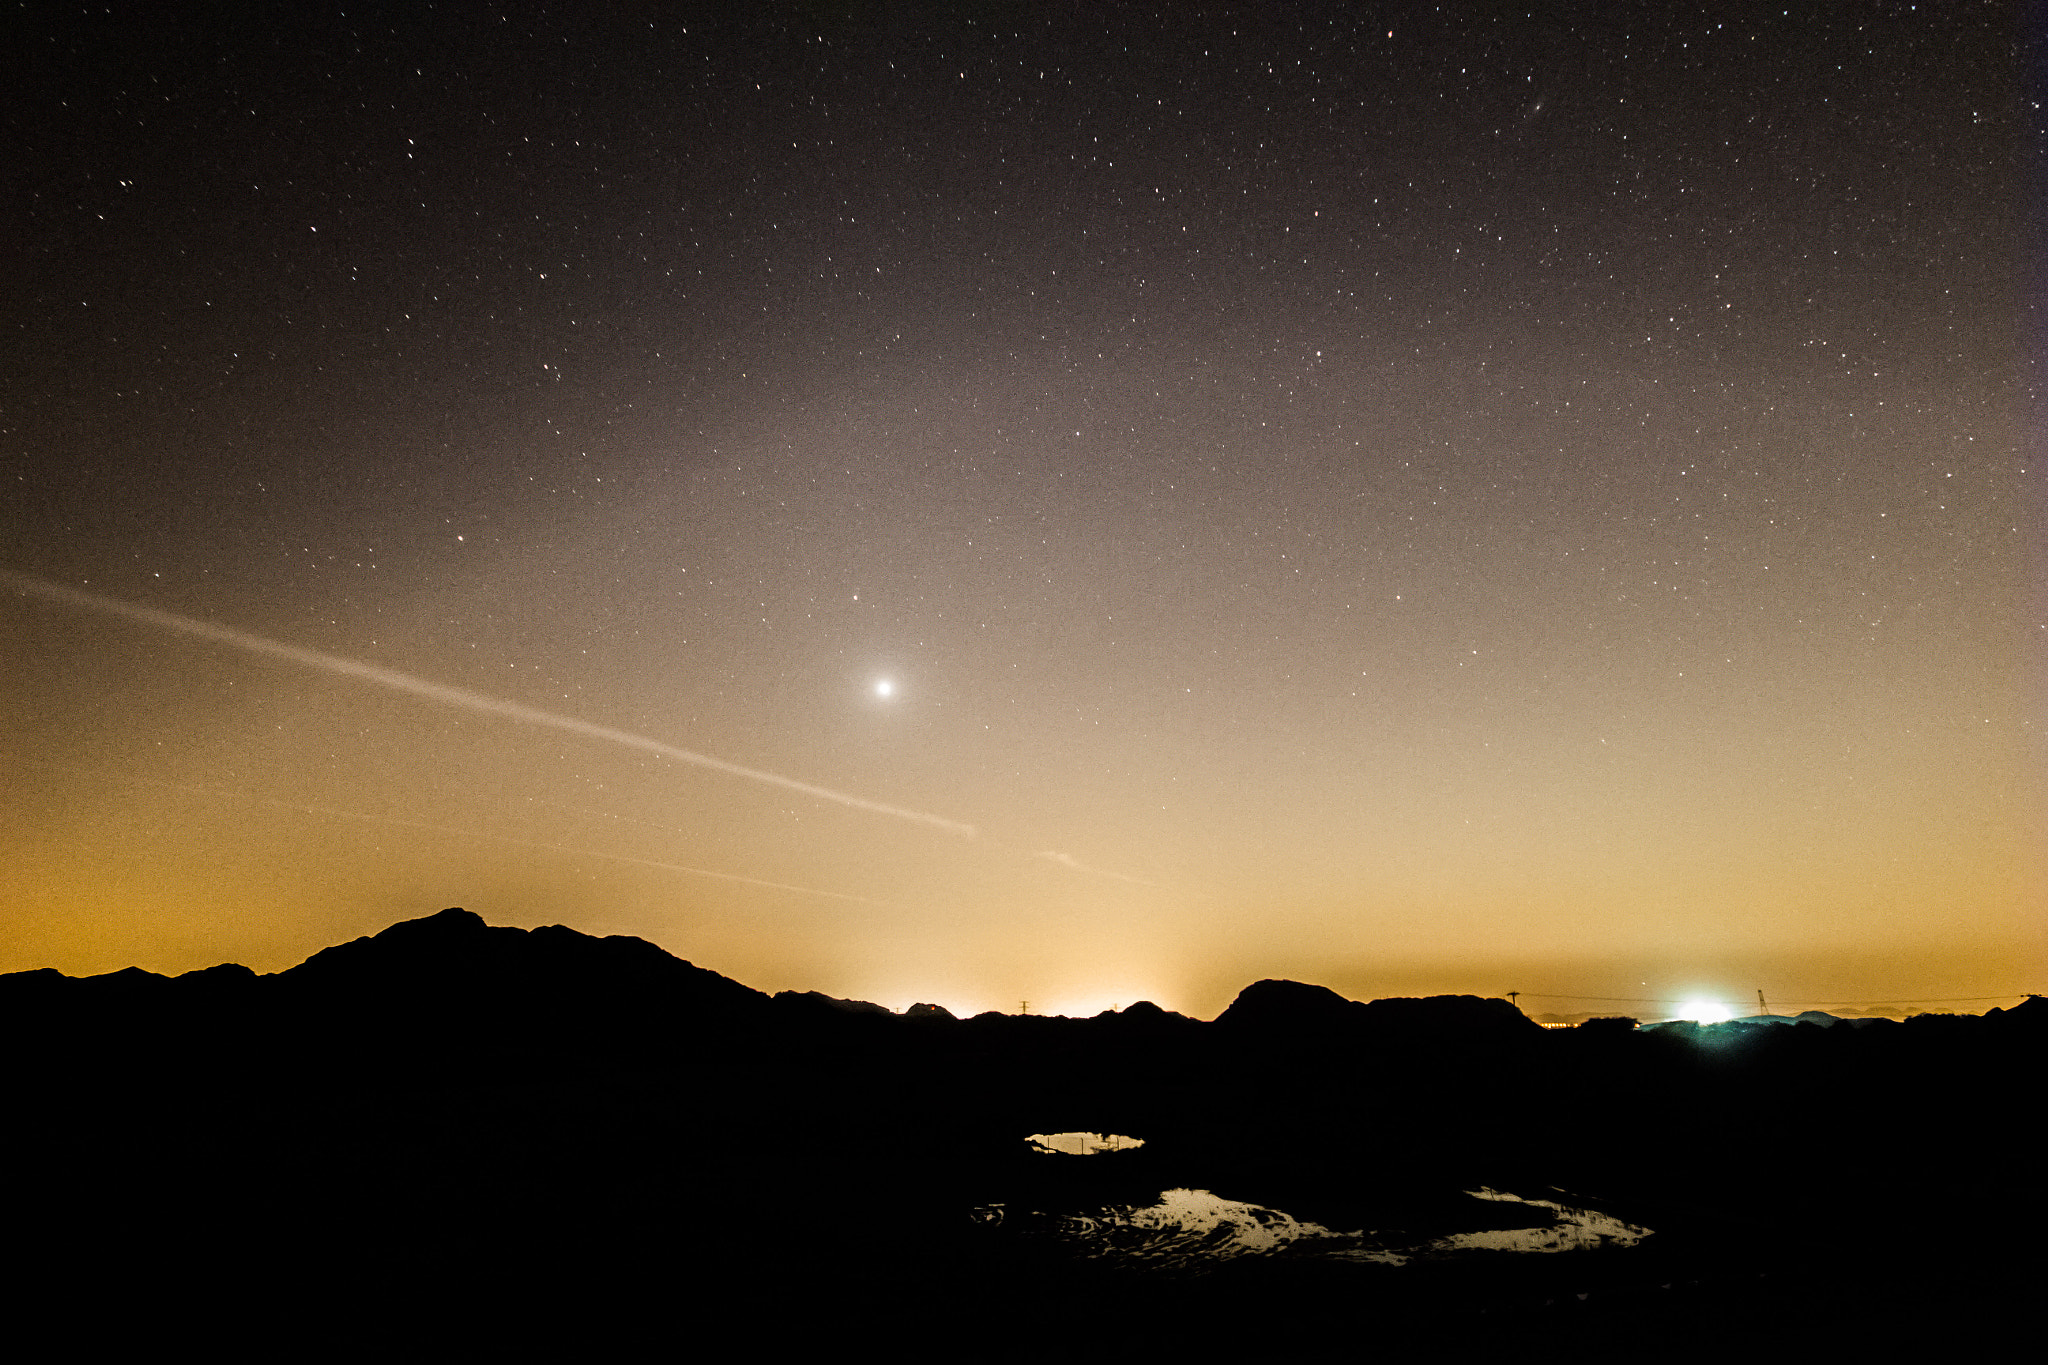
column 504, row 1138
column 1288, row 1006
column 819, row 1000
column 453, row 961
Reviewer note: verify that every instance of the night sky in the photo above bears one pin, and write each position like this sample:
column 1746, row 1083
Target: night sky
column 980, row 503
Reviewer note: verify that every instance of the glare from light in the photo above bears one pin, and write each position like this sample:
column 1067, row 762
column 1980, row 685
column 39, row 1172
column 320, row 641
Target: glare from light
column 1705, row 1011
column 885, row 689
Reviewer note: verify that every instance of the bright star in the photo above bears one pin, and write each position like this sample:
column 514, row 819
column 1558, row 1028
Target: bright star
column 885, row 688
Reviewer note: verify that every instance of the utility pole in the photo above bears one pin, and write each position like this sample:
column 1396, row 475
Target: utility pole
column 1023, row 1007
column 1512, row 998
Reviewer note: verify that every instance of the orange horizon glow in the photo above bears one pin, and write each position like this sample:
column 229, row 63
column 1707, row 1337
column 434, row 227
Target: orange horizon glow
column 1225, row 510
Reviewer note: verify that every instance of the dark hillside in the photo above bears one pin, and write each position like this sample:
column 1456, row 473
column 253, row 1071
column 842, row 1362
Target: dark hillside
column 505, row 1135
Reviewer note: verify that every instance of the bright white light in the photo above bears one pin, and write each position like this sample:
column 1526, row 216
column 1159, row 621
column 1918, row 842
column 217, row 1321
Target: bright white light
column 885, row 688
column 1705, row 1011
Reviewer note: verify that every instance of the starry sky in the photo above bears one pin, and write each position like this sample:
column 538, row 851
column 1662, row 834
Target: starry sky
column 1000, row 502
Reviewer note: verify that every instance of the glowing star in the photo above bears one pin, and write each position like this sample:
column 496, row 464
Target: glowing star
column 885, row 689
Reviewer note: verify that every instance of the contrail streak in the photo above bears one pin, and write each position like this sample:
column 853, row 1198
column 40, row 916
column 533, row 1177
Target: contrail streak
column 459, row 697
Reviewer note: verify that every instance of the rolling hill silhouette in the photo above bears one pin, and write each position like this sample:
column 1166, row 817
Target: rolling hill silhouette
column 484, row 1136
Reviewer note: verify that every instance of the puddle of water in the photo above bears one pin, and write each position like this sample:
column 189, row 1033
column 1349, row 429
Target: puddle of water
column 1082, row 1144
column 1194, row 1229
column 1569, row 1229
column 1187, row 1224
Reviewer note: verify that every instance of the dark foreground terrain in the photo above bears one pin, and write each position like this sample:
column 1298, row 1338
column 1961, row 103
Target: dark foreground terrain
column 454, row 1139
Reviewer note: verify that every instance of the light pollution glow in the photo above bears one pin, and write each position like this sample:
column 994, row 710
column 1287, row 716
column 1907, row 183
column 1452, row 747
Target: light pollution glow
column 963, row 510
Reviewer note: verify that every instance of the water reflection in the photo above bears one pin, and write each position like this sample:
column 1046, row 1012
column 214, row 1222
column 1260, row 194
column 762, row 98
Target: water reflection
column 1185, row 1228
column 1082, row 1144
column 1562, row 1228
column 1191, row 1230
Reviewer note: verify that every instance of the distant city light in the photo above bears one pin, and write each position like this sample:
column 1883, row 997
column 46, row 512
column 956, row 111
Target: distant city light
column 1705, row 1011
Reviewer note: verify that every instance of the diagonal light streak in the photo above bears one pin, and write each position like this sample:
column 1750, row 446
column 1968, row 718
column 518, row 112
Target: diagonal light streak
column 462, row 698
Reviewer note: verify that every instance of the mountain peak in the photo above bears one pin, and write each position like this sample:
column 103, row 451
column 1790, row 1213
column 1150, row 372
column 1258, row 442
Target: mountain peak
column 1279, row 1003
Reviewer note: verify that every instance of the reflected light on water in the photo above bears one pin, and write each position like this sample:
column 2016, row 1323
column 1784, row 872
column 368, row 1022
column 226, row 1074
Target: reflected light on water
column 1192, row 1230
column 1083, row 1144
